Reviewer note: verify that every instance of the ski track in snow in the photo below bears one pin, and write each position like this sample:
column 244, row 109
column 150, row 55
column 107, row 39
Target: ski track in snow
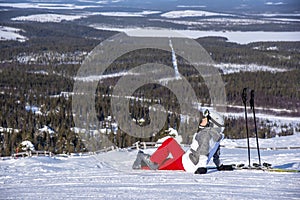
column 109, row 176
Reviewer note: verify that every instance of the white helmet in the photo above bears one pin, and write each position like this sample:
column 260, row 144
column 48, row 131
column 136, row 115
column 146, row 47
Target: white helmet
column 214, row 117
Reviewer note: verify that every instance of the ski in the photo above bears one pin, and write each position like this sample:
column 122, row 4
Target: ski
column 265, row 167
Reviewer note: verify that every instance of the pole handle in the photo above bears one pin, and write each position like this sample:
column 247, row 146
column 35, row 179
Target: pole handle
column 252, row 99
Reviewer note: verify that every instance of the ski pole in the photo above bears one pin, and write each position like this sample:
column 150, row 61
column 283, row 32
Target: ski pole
column 244, row 98
column 255, row 127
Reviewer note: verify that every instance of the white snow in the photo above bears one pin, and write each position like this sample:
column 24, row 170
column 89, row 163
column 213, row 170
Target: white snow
column 271, row 143
column 47, row 129
column 49, row 57
column 273, row 48
column 129, row 14
column 230, row 68
column 50, row 6
column 269, row 117
column 48, row 18
column 10, row 33
column 27, row 145
column 92, row 78
column 224, row 21
column 284, row 19
column 102, row 2
column 278, row 14
column 262, row 109
column 191, row 6
column 109, row 176
column 247, row 37
column 171, row 133
column 174, row 60
column 32, row 108
column 274, row 3
column 8, row 130
column 191, row 13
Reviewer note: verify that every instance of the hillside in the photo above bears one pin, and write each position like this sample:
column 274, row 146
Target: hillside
column 44, row 44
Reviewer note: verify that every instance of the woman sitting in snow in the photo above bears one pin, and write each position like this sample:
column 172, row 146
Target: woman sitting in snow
column 205, row 142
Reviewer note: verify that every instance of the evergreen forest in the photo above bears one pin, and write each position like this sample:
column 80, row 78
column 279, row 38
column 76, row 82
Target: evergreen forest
column 38, row 75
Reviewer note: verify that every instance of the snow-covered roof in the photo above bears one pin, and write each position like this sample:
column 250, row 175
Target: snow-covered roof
column 27, row 145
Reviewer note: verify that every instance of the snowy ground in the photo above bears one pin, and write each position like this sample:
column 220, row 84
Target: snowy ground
column 50, row 6
column 47, row 18
column 230, row 68
column 10, row 33
column 192, row 13
column 109, row 176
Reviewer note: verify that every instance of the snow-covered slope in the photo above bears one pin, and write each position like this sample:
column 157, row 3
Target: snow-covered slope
column 109, row 176
column 10, row 33
column 47, row 18
column 191, row 13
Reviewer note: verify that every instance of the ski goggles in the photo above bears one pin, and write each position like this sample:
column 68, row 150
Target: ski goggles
column 206, row 113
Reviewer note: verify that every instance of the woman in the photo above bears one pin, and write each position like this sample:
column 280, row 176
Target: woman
column 170, row 155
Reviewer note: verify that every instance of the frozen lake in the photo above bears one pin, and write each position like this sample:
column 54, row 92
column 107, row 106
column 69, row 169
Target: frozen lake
column 240, row 37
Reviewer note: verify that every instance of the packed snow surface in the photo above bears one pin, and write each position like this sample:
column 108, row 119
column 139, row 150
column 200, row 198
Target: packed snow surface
column 109, row 176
